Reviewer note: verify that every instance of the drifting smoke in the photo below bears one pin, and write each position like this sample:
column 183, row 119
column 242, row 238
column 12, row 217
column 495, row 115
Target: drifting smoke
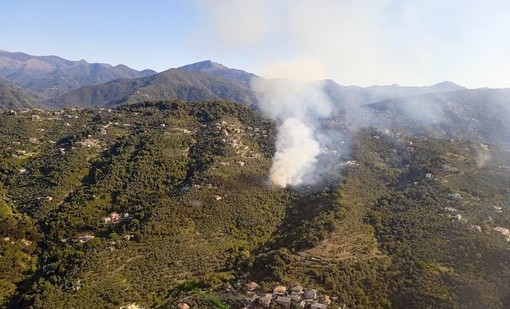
column 298, row 106
column 362, row 43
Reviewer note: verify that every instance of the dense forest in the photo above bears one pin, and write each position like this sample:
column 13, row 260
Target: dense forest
column 161, row 203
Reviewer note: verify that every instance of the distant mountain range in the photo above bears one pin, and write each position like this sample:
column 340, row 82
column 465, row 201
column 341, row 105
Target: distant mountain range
column 207, row 80
column 366, row 95
column 202, row 81
column 50, row 76
column 58, row 82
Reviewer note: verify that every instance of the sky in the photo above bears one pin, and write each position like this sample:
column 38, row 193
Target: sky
column 354, row 42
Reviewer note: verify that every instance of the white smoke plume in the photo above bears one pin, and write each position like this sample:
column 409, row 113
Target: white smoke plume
column 296, row 154
column 297, row 105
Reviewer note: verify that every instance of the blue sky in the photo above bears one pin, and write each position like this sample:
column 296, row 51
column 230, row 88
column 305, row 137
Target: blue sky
column 363, row 42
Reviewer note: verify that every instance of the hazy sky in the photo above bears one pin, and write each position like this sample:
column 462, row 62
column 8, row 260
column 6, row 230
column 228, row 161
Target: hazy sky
column 362, row 42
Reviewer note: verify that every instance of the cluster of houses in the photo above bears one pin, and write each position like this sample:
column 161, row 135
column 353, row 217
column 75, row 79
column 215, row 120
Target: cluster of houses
column 114, row 218
column 281, row 296
column 81, row 238
column 232, row 136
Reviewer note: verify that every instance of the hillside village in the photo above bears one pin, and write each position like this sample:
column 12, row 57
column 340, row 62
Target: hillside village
column 282, row 296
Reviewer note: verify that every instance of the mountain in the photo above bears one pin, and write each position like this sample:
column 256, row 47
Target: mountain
column 217, row 69
column 355, row 95
column 183, row 84
column 14, row 97
column 50, row 76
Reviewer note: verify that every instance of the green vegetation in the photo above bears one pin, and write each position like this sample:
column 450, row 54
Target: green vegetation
column 167, row 202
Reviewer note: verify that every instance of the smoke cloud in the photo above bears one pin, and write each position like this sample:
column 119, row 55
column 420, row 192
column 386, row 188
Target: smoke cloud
column 298, row 106
column 296, row 154
column 370, row 41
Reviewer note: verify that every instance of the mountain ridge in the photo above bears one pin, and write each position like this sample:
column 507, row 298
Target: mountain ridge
column 170, row 84
column 15, row 97
column 51, row 76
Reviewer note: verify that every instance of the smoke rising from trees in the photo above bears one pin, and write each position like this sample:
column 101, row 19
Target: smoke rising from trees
column 298, row 106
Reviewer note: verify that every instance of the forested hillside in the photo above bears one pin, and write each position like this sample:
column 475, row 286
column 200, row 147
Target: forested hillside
column 168, row 202
column 182, row 84
column 14, row 97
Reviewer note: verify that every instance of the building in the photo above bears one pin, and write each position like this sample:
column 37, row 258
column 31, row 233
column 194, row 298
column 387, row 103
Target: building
column 318, row 306
column 283, row 301
column 183, row 306
column 84, row 238
column 324, row 299
column 251, row 286
column 279, row 290
column 310, row 294
column 265, row 300
column 454, row 196
column 296, row 290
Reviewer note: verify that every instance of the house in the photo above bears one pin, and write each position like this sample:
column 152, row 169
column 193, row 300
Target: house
column 476, row 228
column 295, row 297
column 106, row 220
column 251, row 286
column 265, row 300
column 283, row 301
column 310, row 294
column 504, row 231
column 182, row 306
column 301, row 305
column 454, row 196
column 279, row 290
column 296, row 290
column 114, row 217
column 324, row 299
column 450, row 209
column 428, row 176
column 84, row 238
column 318, row 306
